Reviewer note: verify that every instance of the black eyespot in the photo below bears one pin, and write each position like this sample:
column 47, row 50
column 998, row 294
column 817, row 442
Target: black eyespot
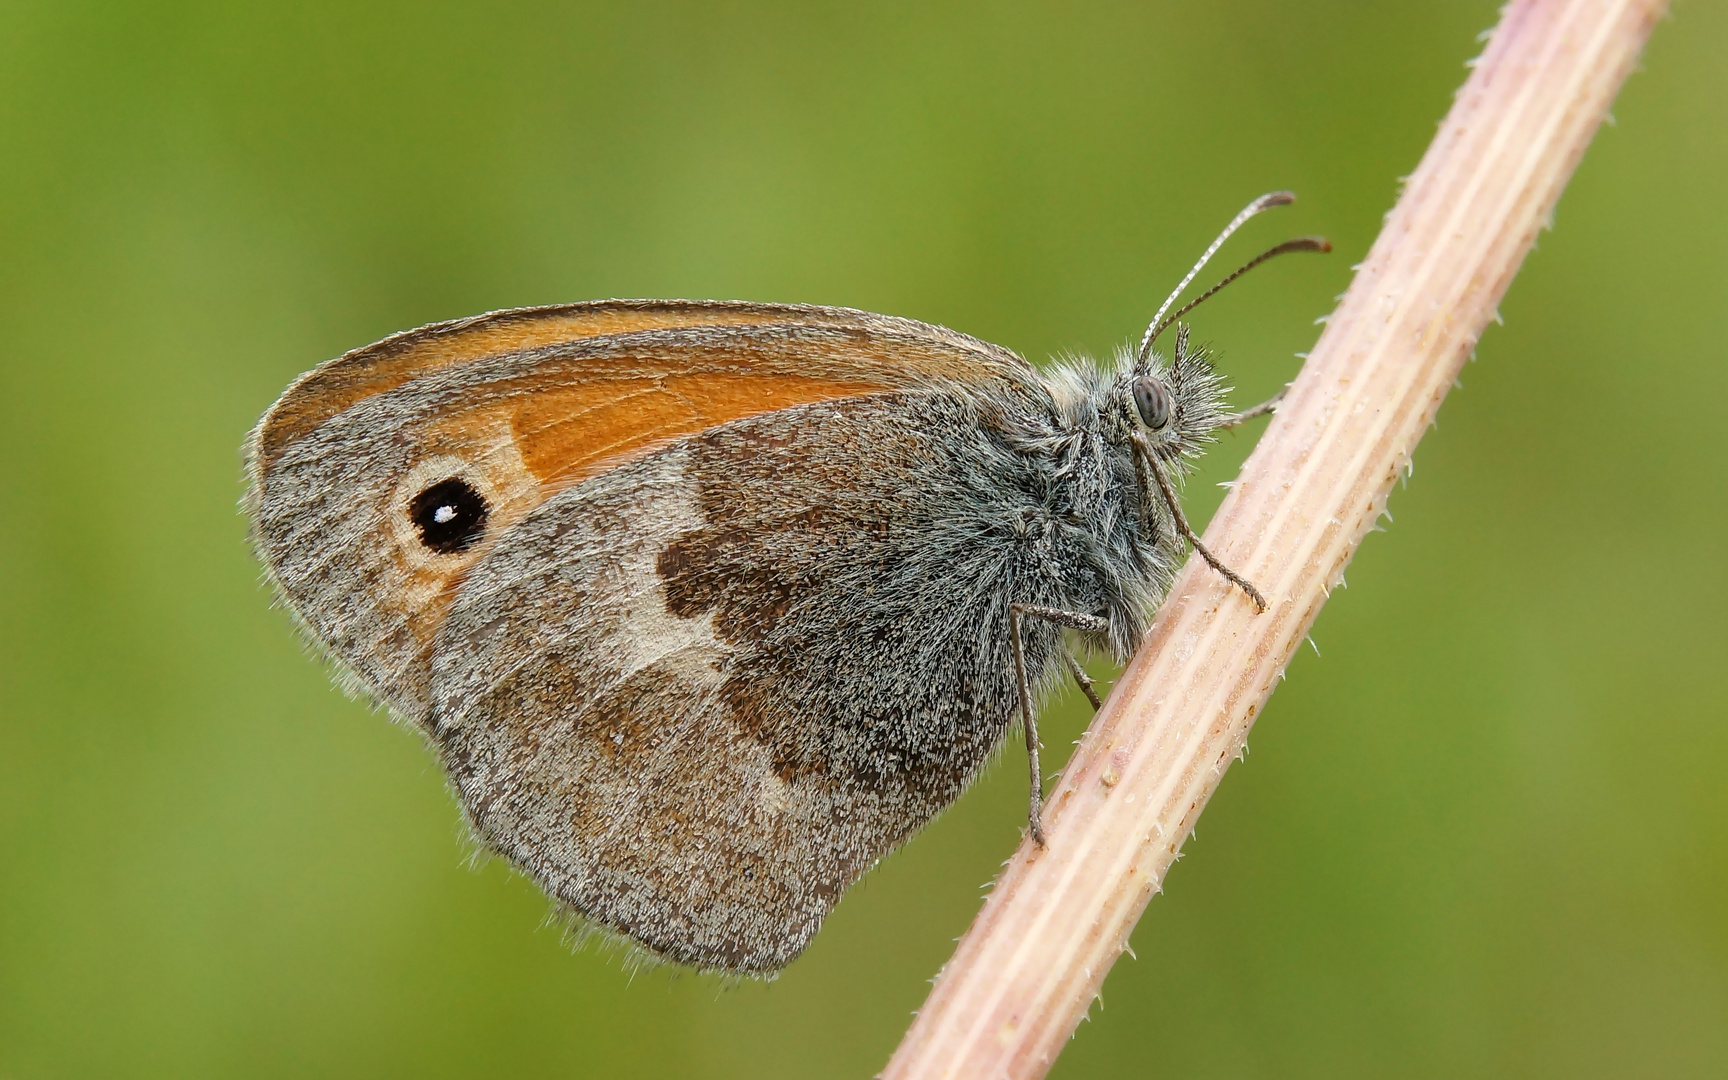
column 1152, row 401
column 450, row 515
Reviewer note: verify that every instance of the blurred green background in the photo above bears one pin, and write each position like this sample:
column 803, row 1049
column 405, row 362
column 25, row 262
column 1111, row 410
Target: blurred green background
column 1486, row 834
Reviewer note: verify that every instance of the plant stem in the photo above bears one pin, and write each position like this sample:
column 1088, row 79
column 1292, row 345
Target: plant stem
column 1036, row 956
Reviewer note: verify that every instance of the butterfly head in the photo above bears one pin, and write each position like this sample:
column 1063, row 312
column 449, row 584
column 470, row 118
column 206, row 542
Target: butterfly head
column 1177, row 404
column 1168, row 405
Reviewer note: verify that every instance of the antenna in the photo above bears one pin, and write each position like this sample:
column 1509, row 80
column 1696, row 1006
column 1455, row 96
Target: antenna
column 1264, row 202
column 1301, row 243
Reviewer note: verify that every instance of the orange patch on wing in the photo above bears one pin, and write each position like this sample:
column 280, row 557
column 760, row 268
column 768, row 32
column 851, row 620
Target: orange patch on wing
column 571, row 433
column 388, row 364
column 565, row 433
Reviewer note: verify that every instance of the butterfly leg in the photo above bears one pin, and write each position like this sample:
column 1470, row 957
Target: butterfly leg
column 1092, row 623
column 1270, row 405
column 1083, row 680
column 1149, row 461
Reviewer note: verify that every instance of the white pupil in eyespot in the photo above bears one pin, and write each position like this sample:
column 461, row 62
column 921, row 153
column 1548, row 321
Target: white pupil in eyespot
column 444, row 514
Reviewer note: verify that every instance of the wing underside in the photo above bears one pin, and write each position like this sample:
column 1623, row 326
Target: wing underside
column 697, row 696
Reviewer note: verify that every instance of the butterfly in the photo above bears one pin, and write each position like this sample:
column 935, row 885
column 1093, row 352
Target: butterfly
column 705, row 607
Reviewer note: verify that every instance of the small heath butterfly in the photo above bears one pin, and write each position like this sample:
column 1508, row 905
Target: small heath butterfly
column 706, row 607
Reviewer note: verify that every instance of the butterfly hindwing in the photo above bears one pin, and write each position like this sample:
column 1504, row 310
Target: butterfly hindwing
column 697, row 696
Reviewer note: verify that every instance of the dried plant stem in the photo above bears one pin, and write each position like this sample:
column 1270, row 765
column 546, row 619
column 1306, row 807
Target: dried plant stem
column 1028, row 969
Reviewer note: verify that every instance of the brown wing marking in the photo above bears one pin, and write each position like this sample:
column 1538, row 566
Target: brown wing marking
column 565, row 434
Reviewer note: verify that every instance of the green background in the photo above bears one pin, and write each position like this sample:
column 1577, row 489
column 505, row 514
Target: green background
column 1485, row 835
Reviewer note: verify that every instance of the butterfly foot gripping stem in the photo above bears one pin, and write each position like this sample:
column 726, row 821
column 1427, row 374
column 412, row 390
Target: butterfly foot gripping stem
column 1149, row 460
column 1095, row 624
column 1270, row 405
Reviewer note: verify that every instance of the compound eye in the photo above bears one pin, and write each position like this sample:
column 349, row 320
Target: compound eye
column 1152, row 401
column 450, row 515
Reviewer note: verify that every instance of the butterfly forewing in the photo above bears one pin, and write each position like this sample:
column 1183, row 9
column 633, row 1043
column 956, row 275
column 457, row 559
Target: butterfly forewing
column 505, row 410
column 338, row 385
